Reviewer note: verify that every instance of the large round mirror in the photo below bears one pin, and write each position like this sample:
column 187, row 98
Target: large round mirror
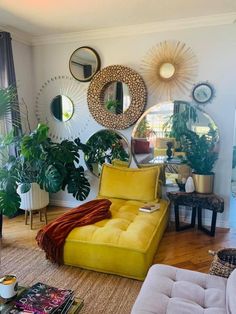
column 62, row 108
column 156, row 138
column 84, row 63
column 117, row 98
column 106, row 146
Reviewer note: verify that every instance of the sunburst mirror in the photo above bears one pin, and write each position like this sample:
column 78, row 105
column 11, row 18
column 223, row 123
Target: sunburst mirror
column 169, row 69
column 61, row 104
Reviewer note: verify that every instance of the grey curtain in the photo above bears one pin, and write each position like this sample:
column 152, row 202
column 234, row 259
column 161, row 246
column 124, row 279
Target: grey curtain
column 7, row 76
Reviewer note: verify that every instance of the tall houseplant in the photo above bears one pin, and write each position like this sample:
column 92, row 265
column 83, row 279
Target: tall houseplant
column 53, row 166
column 201, row 156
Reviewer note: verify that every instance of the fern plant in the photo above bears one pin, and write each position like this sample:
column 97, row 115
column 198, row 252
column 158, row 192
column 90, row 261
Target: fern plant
column 200, row 151
column 54, row 166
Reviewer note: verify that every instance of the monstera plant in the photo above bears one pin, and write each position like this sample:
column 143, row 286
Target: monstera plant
column 53, row 166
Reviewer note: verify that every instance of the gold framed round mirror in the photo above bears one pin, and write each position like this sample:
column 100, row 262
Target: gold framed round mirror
column 136, row 96
column 84, row 63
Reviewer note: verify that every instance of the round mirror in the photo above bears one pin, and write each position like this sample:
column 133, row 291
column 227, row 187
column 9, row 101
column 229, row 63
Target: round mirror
column 106, row 146
column 156, row 138
column 62, row 108
column 117, row 98
column 84, row 63
column 167, row 70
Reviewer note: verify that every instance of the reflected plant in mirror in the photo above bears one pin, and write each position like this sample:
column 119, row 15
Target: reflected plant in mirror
column 84, row 63
column 117, row 98
column 62, row 108
column 103, row 147
column 167, row 124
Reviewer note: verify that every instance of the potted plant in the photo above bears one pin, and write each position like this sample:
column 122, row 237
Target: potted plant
column 104, row 146
column 201, row 156
column 52, row 166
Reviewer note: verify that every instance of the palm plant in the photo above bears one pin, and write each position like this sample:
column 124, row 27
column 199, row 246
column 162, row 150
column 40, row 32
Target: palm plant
column 54, row 166
column 7, row 98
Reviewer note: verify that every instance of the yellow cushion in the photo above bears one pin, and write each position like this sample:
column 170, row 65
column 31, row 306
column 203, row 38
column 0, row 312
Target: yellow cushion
column 120, row 163
column 129, row 183
column 124, row 245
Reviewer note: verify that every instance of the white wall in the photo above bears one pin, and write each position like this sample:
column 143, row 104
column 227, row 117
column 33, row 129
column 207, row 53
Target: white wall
column 215, row 48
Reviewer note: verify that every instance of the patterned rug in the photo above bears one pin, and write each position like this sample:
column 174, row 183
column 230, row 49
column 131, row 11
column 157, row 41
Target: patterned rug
column 102, row 293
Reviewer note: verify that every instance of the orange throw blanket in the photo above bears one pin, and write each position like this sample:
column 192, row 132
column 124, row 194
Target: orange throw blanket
column 52, row 237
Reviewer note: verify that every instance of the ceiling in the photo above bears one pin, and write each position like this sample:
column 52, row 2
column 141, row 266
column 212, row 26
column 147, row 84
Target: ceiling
column 44, row 17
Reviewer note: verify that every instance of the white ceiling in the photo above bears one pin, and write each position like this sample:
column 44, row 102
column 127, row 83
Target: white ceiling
column 44, row 17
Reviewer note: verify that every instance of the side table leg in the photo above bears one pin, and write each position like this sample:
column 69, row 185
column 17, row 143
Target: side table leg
column 210, row 232
column 176, row 208
column 193, row 218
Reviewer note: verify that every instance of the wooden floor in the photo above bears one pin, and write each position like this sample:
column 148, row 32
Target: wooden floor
column 186, row 249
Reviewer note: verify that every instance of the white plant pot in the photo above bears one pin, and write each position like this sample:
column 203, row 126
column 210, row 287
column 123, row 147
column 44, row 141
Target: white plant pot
column 35, row 198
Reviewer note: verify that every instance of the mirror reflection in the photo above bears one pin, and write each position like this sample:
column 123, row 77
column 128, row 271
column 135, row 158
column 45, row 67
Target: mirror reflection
column 62, row 108
column 156, row 138
column 84, row 63
column 106, row 146
column 167, row 70
column 117, row 98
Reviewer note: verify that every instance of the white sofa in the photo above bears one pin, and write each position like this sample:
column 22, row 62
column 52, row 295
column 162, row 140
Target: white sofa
column 171, row 290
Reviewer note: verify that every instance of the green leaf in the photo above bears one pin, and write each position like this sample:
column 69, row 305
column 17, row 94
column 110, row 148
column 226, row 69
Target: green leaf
column 78, row 184
column 9, row 203
column 25, row 187
column 50, row 179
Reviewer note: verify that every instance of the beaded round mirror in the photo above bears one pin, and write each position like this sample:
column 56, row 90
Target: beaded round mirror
column 106, row 146
column 120, row 88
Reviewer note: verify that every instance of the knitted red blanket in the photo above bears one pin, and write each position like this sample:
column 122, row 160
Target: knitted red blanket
column 52, row 237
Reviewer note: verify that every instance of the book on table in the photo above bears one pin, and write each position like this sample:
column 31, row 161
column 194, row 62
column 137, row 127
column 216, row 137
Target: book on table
column 42, row 299
column 149, row 207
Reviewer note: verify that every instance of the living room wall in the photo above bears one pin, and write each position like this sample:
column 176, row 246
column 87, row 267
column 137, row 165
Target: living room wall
column 215, row 48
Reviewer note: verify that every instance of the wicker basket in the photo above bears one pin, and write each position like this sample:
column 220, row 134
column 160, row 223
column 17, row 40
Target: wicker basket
column 224, row 262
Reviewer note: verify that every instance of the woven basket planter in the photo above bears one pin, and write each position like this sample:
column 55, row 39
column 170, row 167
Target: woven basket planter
column 224, row 262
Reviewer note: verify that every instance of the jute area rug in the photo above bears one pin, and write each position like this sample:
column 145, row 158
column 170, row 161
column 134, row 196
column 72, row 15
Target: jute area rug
column 102, row 293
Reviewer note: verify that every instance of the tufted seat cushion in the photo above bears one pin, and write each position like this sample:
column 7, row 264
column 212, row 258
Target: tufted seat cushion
column 170, row 290
column 124, row 245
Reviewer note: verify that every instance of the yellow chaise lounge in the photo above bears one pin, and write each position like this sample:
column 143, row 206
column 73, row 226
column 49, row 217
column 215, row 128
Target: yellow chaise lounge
column 125, row 244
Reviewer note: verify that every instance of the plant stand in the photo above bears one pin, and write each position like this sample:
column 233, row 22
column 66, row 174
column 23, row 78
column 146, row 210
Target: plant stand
column 1, row 225
column 30, row 212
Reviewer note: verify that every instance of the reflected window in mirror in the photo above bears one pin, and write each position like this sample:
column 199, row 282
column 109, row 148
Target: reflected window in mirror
column 62, row 108
column 84, row 63
column 117, row 98
column 105, row 146
column 157, row 136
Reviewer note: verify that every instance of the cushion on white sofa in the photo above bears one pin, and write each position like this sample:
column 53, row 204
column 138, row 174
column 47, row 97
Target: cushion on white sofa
column 170, row 290
column 231, row 293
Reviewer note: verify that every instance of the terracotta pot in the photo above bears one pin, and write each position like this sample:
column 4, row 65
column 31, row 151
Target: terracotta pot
column 203, row 183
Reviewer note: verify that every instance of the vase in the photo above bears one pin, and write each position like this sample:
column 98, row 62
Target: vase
column 35, row 198
column 189, row 185
column 203, row 183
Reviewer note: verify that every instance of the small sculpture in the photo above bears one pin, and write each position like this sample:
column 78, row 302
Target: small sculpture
column 189, row 185
column 169, row 150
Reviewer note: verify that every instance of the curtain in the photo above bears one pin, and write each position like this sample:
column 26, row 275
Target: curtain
column 8, row 78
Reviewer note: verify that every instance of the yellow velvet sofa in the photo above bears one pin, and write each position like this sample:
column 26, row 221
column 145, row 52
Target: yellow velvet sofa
column 125, row 244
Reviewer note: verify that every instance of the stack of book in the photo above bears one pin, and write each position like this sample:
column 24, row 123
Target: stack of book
column 149, row 207
column 43, row 299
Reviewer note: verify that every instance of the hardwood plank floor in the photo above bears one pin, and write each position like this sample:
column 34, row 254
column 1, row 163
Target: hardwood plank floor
column 186, row 249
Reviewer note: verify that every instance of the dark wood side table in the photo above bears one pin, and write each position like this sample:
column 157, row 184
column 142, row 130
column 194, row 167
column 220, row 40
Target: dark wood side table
column 198, row 202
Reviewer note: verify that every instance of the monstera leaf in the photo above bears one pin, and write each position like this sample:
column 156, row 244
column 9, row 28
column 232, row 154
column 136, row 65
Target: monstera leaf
column 9, row 203
column 50, row 179
column 78, row 184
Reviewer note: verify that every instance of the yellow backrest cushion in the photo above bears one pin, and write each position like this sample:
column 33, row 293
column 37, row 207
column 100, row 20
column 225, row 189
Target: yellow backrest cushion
column 120, row 163
column 129, row 183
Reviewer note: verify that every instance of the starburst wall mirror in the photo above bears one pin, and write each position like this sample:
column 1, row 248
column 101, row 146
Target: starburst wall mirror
column 169, row 69
column 61, row 103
